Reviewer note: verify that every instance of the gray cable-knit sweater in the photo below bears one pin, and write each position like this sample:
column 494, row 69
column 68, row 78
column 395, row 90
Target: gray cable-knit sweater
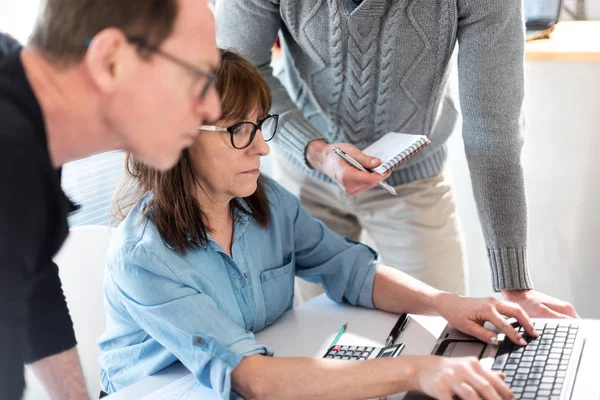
column 352, row 73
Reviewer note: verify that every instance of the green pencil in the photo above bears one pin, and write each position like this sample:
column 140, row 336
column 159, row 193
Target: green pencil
column 342, row 330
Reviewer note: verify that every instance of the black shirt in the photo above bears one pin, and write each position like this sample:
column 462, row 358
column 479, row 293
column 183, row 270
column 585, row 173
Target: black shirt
column 34, row 319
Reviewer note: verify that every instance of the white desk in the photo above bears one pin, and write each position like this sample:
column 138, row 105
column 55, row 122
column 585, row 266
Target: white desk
column 307, row 331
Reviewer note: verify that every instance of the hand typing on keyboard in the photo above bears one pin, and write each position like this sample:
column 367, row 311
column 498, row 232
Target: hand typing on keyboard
column 470, row 314
column 538, row 370
column 465, row 378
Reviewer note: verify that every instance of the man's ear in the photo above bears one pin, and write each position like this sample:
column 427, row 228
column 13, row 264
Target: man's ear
column 107, row 59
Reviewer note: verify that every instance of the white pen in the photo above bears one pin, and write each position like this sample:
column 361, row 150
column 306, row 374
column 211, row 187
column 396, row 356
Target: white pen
column 359, row 166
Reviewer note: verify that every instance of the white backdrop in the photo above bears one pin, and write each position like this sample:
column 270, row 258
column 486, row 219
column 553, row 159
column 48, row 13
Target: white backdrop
column 562, row 164
column 17, row 17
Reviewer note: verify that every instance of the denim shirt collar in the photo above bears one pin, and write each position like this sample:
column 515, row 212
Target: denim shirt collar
column 239, row 215
column 240, row 221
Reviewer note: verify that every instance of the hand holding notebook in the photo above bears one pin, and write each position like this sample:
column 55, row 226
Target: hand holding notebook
column 395, row 148
column 392, row 149
column 360, row 167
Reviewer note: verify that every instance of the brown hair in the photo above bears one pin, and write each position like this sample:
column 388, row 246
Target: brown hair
column 64, row 26
column 173, row 208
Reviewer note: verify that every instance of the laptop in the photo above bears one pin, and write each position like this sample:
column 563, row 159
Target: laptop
column 541, row 16
column 561, row 364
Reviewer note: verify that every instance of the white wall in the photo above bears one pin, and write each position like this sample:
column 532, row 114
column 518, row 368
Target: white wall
column 17, row 17
column 561, row 166
column 592, row 10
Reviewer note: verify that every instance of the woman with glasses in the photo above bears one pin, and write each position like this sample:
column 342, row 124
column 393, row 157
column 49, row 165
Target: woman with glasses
column 207, row 253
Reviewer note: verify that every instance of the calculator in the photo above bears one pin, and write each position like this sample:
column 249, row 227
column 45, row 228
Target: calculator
column 340, row 352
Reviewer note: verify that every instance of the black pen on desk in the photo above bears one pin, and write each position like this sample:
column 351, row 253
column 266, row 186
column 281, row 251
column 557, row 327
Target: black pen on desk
column 399, row 327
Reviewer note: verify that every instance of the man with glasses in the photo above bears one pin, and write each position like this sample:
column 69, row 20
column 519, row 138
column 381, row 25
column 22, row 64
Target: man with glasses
column 96, row 76
column 353, row 71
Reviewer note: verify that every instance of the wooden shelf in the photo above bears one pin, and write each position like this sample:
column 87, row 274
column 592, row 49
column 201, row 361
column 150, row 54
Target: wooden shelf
column 571, row 42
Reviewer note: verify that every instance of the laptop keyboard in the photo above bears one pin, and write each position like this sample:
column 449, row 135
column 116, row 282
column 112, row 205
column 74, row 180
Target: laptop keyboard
column 538, row 370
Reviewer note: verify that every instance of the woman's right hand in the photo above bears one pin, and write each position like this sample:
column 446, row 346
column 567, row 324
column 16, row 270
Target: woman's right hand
column 444, row 378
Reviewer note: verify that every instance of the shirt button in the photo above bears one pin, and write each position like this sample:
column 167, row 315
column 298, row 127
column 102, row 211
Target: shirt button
column 199, row 341
column 251, row 329
column 246, row 275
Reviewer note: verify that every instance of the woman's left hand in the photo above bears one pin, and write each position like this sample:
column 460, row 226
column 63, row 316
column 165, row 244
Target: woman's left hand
column 468, row 315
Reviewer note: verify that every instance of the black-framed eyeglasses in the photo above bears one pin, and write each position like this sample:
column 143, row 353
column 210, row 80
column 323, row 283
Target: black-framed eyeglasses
column 242, row 134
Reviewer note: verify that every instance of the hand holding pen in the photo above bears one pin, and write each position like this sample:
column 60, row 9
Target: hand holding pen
column 321, row 156
column 360, row 167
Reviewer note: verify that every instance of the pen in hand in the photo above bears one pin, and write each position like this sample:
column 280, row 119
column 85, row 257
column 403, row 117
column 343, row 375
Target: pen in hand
column 360, row 167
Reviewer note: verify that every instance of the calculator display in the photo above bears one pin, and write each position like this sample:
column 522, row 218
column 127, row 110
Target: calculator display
column 387, row 353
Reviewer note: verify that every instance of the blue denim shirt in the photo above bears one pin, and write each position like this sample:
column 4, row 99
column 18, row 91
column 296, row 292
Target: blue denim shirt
column 202, row 308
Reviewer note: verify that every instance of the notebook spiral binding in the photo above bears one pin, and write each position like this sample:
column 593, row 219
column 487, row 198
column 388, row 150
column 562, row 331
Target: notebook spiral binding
column 406, row 154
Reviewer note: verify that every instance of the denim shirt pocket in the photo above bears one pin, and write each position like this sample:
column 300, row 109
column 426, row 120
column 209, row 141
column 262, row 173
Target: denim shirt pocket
column 278, row 289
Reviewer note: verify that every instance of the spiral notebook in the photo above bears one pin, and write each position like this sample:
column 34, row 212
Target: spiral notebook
column 394, row 148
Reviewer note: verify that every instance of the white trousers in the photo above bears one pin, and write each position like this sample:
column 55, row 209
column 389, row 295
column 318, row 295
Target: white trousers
column 416, row 232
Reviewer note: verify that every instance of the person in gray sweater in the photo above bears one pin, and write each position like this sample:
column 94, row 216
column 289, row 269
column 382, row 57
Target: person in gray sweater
column 354, row 70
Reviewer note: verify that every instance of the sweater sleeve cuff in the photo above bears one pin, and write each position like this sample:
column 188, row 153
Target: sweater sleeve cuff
column 509, row 269
column 296, row 133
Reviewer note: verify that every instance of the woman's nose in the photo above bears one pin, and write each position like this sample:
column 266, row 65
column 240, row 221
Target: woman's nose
column 259, row 143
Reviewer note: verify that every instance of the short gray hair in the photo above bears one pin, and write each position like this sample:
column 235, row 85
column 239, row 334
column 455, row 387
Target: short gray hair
column 64, row 26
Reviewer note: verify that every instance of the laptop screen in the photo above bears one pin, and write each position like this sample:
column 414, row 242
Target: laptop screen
column 542, row 10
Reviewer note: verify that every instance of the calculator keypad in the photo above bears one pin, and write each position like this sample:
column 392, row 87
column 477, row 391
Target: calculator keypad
column 350, row 352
